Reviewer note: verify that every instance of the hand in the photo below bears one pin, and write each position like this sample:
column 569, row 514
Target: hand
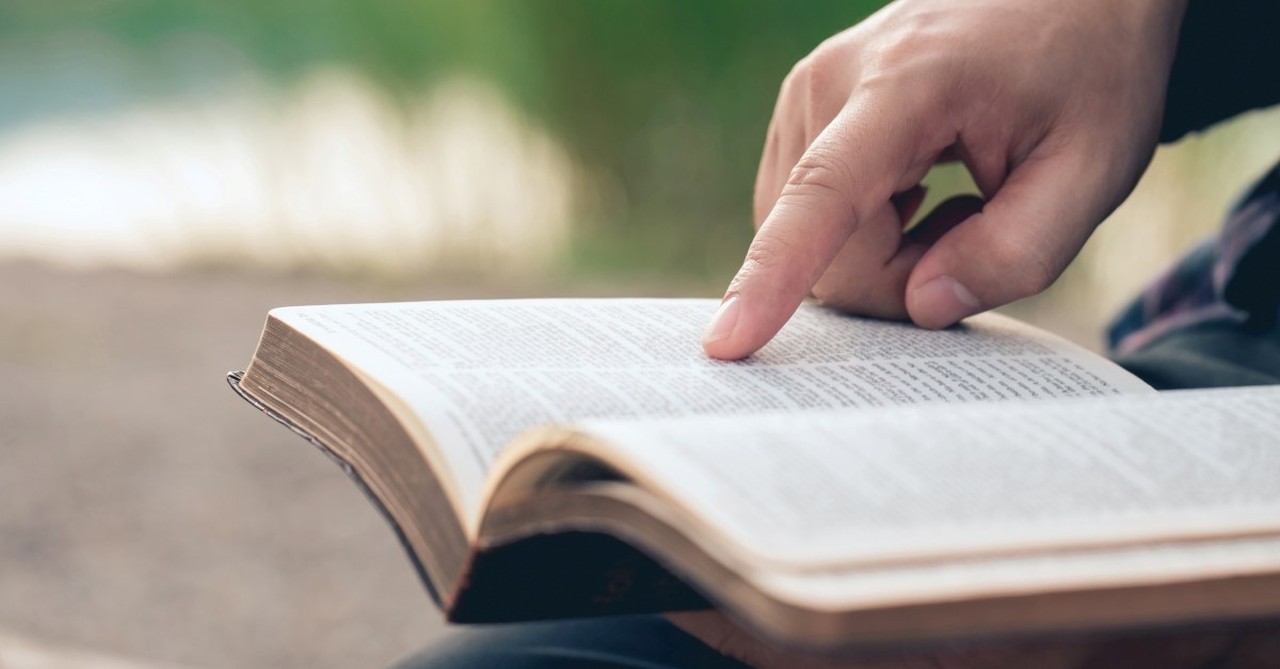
column 1247, row 647
column 1054, row 107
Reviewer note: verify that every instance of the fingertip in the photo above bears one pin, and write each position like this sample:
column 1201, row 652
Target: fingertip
column 718, row 337
column 724, row 351
column 743, row 325
column 941, row 302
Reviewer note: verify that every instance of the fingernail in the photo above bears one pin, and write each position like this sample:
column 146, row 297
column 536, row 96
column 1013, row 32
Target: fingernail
column 723, row 322
column 943, row 301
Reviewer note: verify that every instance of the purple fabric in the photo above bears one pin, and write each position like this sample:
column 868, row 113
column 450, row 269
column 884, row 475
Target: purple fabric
column 1232, row 278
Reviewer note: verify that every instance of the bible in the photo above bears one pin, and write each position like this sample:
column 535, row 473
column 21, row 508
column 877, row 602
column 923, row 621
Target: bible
column 856, row 482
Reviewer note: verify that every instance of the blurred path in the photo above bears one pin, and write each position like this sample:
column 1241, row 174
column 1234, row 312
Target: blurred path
column 147, row 512
column 25, row 654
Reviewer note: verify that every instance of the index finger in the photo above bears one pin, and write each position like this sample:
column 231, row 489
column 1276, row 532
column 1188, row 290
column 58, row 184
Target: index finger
column 850, row 170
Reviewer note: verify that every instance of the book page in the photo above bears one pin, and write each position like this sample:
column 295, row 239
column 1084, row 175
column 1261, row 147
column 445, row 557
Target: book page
column 926, row 483
column 945, row 579
column 479, row 372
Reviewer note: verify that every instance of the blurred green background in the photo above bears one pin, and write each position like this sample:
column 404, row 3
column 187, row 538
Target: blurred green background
column 660, row 107
column 394, row 138
column 170, row 169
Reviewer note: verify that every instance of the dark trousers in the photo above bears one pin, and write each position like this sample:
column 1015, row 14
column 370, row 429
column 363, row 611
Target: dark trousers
column 632, row 642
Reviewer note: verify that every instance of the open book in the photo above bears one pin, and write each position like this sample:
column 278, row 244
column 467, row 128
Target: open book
column 854, row 482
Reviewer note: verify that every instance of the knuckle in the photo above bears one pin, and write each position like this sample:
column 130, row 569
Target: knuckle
column 774, row 259
column 819, row 171
column 810, row 77
column 822, row 176
column 903, row 48
column 770, row 252
column 796, row 80
column 819, row 65
column 912, row 53
column 915, row 35
column 816, row 91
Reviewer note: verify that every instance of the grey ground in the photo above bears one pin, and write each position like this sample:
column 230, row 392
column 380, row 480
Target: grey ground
column 146, row 511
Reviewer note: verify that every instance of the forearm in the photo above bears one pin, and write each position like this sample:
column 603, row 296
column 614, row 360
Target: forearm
column 1228, row 62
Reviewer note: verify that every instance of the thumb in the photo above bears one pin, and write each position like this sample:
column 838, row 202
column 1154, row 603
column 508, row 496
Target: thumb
column 1020, row 242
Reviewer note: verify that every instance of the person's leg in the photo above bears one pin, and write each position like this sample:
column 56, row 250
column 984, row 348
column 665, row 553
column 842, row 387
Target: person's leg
column 1206, row 355
column 633, row 642
column 1214, row 318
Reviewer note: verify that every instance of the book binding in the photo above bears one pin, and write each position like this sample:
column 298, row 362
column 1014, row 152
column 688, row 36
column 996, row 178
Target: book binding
column 233, row 379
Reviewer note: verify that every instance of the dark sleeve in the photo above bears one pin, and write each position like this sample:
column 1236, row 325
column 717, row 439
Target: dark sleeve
column 1228, row 62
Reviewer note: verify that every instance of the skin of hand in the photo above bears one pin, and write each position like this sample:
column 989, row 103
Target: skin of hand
column 1253, row 646
column 1054, row 107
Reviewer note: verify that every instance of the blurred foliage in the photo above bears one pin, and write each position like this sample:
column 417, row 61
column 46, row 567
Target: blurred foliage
column 663, row 103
